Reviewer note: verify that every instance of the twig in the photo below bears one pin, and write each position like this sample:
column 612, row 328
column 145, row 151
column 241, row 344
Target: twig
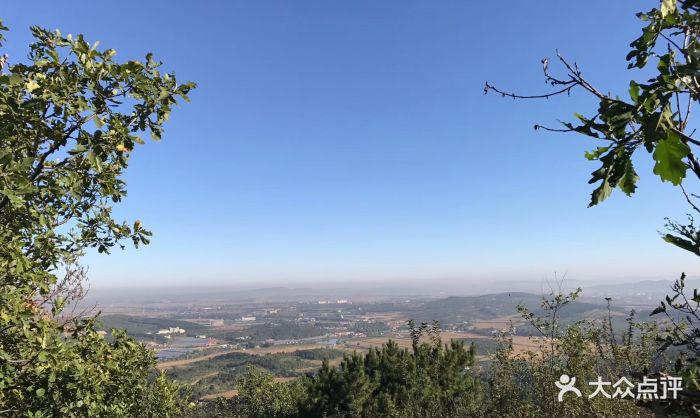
column 488, row 87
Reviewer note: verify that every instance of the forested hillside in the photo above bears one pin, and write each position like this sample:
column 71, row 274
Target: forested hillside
column 144, row 326
column 469, row 308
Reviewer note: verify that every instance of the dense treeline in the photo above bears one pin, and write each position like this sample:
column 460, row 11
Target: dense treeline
column 371, row 328
column 282, row 330
column 319, row 353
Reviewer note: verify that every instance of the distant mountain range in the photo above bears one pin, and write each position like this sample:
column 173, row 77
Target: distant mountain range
column 650, row 291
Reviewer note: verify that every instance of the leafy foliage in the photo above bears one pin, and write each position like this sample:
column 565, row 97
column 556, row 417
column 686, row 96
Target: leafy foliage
column 69, row 119
column 258, row 396
column 520, row 384
column 655, row 118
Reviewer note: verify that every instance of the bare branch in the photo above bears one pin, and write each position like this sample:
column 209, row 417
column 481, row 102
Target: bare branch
column 690, row 202
column 489, row 87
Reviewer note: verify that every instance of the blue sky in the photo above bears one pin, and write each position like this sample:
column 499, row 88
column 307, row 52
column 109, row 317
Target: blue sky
column 350, row 141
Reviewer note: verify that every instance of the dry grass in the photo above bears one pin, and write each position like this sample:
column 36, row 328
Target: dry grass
column 227, row 394
column 520, row 344
column 231, row 327
column 184, row 362
column 386, row 316
column 498, row 323
column 234, row 392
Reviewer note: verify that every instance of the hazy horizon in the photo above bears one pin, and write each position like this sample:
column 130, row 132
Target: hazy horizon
column 436, row 285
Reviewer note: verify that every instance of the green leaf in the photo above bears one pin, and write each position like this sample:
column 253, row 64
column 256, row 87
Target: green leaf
column 658, row 310
column 15, row 79
column 601, row 193
column 94, row 161
column 634, row 91
column 683, row 243
column 669, row 155
column 628, row 182
column 594, row 155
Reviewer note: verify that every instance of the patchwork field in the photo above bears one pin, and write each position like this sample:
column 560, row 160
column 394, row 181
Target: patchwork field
column 213, row 371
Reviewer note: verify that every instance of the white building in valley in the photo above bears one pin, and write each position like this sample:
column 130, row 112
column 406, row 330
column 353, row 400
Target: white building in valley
column 171, row 330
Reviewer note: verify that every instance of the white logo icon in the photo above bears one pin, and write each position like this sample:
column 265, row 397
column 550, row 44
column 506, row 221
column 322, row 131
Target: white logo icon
column 566, row 384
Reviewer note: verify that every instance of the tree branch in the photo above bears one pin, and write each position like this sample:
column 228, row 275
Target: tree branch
column 489, row 87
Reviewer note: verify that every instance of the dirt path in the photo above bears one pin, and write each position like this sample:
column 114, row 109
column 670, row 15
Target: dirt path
column 253, row 351
column 185, row 362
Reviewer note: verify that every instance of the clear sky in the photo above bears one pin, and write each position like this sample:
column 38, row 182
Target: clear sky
column 350, row 141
